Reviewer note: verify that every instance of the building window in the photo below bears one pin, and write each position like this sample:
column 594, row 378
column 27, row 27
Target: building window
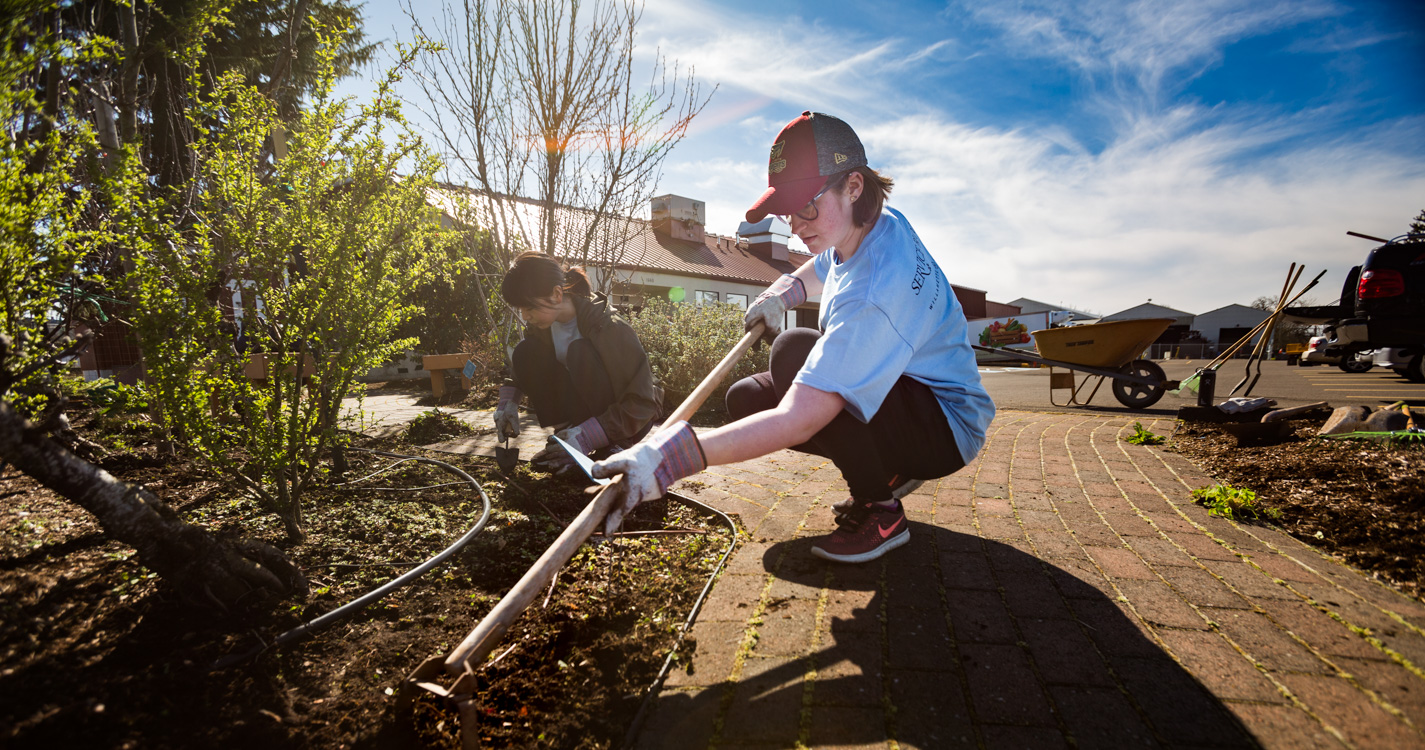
column 737, row 300
column 702, row 297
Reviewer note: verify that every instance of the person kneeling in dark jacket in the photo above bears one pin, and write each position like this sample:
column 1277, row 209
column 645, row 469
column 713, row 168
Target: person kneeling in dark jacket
column 581, row 365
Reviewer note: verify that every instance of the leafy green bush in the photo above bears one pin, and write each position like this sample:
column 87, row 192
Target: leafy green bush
column 1234, row 503
column 324, row 243
column 1142, row 436
column 685, row 342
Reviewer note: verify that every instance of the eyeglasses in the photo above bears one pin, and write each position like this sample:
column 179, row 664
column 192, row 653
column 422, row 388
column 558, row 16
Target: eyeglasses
column 809, row 208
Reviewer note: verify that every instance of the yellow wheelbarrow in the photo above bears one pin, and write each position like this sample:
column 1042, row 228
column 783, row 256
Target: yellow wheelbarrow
column 1100, row 350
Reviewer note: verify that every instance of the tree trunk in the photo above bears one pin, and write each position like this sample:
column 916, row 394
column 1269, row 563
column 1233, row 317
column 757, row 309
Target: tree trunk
column 203, row 568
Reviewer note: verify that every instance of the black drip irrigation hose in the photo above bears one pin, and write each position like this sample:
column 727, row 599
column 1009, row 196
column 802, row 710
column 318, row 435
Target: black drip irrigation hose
column 351, row 608
column 652, row 692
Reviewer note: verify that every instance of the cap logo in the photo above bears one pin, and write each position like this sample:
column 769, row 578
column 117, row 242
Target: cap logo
column 839, row 158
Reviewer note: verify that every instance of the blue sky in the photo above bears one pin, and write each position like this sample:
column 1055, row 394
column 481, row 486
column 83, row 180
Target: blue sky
column 1091, row 153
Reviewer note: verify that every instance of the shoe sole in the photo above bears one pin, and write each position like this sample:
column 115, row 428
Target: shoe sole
column 898, row 540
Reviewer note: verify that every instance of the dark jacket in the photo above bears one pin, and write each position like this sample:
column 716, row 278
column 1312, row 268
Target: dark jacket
column 637, row 399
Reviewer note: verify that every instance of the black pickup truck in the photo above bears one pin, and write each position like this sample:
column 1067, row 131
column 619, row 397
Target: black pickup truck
column 1382, row 305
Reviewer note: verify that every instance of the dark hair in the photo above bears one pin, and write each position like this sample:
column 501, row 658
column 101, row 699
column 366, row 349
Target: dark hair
column 868, row 205
column 534, row 276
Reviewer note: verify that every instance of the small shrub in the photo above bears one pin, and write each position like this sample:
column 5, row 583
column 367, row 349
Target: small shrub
column 686, row 341
column 1142, row 436
column 433, row 425
column 1234, row 503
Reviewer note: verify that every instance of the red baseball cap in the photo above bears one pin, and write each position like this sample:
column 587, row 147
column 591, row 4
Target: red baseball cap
column 810, row 149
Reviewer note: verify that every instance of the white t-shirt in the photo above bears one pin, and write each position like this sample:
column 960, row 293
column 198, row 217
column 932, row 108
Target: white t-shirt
column 889, row 311
column 563, row 333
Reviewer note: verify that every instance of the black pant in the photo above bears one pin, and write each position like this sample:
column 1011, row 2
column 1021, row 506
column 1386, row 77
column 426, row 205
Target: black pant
column 564, row 393
column 909, row 437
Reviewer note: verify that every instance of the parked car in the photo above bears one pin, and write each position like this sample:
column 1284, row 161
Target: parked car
column 1320, row 352
column 1401, row 361
column 1382, row 306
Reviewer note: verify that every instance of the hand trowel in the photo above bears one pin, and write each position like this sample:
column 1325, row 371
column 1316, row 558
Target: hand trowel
column 505, row 456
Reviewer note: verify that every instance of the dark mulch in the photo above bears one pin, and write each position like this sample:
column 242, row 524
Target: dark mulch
column 1363, row 501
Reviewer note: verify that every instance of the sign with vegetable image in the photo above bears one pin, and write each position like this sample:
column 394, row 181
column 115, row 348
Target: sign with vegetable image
column 1004, row 333
column 1012, row 332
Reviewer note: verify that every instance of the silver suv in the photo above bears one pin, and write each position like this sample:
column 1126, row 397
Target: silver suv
column 1321, row 351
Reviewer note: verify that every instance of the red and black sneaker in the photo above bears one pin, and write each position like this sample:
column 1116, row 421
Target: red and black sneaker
column 899, row 489
column 867, row 531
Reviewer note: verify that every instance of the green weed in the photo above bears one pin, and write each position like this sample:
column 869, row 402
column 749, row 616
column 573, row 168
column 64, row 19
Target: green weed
column 1234, row 503
column 1142, row 436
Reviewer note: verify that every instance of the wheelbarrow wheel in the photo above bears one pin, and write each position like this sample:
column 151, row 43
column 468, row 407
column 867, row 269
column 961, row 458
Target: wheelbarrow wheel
column 1134, row 395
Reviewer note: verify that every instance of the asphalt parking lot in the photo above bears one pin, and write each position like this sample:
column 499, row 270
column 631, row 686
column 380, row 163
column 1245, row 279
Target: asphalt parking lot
column 1028, row 387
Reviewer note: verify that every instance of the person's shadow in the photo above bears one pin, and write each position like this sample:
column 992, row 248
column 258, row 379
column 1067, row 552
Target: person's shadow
column 950, row 641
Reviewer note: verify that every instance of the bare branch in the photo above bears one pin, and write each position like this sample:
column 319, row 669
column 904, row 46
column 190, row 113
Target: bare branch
column 535, row 106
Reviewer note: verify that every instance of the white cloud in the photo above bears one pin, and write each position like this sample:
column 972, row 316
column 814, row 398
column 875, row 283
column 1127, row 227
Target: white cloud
column 1147, row 42
column 787, row 58
column 1173, row 219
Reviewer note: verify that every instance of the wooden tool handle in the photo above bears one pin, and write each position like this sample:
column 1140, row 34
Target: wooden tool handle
column 487, row 634
column 1271, row 321
column 1231, row 350
column 1284, row 414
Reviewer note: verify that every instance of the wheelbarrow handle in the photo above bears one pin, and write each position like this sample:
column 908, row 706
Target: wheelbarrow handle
column 487, row 634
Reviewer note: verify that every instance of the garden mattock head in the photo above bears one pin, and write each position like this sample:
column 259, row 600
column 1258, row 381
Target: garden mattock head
column 461, row 696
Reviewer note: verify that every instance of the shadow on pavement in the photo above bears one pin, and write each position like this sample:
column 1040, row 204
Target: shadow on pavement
column 950, row 641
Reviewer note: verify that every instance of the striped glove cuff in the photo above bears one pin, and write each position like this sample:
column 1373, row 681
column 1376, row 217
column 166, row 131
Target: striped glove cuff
column 682, row 454
column 789, row 289
column 591, row 436
column 508, row 394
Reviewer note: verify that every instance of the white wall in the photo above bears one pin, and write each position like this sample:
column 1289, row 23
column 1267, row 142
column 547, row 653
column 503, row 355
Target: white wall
column 1211, row 323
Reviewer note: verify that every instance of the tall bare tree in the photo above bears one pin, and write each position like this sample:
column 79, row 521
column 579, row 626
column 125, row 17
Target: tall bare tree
column 539, row 110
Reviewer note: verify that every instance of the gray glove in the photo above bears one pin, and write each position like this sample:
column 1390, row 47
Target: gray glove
column 588, row 436
column 553, row 459
column 648, row 468
column 507, row 413
column 770, row 307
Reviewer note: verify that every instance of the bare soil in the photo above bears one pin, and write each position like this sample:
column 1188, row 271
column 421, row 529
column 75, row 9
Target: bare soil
column 96, row 652
column 1361, row 500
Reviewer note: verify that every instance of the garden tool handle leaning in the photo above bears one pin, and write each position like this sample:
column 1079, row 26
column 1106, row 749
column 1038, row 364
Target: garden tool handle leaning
column 1270, row 324
column 1270, row 331
column 1281, row 303
column 1221, row 358
column 487, row 634
column 1227, row 353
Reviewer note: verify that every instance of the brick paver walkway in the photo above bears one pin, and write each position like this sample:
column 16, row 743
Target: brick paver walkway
column 1060, row 591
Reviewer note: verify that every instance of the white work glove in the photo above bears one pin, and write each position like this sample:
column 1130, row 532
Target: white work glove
column 507, row 413
column 588, row 436
column 771, row 306
column 648, row 468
